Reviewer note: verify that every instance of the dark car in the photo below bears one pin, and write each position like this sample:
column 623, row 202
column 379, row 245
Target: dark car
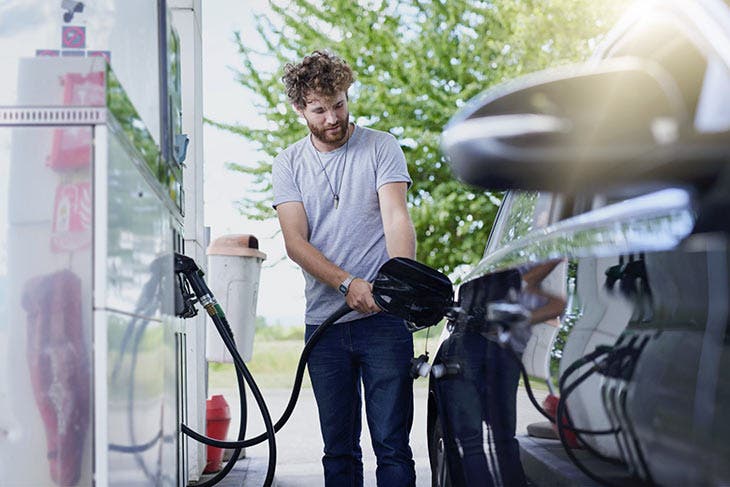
column 618, row 179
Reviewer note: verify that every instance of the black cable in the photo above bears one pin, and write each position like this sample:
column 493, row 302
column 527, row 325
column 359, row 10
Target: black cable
column 241, row 434
column 342, row 311
column 561, row 429
column 189, row 272
column 578, row 436
column 587, row 446
column 151, row 292
column 588, row 358
column 637, row 445
column 224, row 330
column 242, row 371
column 135, row 448
column 601, row 350
column 533, row 400
column 528, row 387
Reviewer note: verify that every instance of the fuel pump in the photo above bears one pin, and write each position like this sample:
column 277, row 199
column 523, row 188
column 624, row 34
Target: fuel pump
column 192, row 290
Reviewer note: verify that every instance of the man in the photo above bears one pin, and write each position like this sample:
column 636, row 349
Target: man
column 340, row 195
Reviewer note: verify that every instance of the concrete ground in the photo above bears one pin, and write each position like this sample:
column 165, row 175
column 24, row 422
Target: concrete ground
column 299, row 443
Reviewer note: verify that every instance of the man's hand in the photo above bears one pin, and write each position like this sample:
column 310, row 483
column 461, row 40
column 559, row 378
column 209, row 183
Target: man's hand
column 360, row 297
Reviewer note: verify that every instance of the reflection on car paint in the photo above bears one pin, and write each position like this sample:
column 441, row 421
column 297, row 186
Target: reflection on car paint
column 661, row 221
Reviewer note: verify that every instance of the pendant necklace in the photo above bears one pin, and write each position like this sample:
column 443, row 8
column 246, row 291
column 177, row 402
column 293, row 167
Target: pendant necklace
column 335, row 194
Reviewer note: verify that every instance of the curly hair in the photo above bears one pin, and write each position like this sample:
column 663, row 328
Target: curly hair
column 321, row 72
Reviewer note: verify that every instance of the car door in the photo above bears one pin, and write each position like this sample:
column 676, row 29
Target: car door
column 600, row 243
column 646, row 233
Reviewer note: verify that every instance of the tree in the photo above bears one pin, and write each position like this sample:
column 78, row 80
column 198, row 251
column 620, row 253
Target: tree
column 417, row 62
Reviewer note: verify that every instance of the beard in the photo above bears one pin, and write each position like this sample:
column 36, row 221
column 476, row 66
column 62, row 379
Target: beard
column 328, row 135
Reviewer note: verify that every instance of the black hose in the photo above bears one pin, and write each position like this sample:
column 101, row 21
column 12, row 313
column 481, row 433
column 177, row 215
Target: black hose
column 151, row 290
column 531, row 396
column 241, row 434
column 241, row 370
column 134, row 448
column 585, row 445
column 342, row 311
column 561, row 428
column 224, row 330
column 528, row 387
column 601, row 350
column 194, row 276
column 590, row 357
column 562, row 411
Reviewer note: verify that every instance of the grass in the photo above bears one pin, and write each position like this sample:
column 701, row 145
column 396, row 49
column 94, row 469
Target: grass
column 272, row 365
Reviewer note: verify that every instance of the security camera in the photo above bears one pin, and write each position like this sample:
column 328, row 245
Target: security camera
column 71, row 7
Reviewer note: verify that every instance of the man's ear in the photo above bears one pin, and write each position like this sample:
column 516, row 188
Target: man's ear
column 298, row 109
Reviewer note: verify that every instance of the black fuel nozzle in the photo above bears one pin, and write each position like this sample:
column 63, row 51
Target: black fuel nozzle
column 184, row 299
column 190, row 274
column 413, row 291
column 187, row 267
column 420, row 366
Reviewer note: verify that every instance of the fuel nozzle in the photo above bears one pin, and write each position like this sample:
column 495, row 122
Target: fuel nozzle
column 420, row 366
column 190, row 275
column 413, row 291
column 445, row 369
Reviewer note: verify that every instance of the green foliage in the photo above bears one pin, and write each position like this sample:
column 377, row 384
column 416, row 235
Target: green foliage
column 573, row 313
column 417, row 62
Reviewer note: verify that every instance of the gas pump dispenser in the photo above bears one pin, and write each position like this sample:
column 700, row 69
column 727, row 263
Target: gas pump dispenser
column 93, row 362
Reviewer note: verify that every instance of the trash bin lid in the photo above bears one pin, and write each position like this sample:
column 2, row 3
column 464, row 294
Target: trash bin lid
column 243, row 245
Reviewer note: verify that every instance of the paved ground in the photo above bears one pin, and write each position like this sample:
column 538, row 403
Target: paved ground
column 299, row 443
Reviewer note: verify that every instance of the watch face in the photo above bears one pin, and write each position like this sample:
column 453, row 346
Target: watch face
column 343, row 289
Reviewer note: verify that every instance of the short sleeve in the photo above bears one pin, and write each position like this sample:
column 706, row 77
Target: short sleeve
column 392, row 167
column 282, row 181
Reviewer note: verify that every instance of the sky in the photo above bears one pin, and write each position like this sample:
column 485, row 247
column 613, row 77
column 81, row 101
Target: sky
column 281, row 288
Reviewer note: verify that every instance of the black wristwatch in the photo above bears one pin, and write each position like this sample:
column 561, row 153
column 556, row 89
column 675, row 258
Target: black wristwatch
column 345, row 285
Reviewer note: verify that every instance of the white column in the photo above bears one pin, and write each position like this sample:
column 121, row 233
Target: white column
column 186, row 19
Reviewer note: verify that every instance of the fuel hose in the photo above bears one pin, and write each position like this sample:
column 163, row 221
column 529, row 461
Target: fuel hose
column 296, row 389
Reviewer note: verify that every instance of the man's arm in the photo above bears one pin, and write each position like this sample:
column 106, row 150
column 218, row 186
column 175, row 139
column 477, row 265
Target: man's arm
column 554, row 305
column 400, row 236
column 294, row 227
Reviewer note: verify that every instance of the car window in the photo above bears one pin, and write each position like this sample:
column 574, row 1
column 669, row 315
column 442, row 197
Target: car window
column 522, row 212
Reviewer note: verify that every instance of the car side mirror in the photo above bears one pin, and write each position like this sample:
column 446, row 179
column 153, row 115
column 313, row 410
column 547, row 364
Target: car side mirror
column 622, row 121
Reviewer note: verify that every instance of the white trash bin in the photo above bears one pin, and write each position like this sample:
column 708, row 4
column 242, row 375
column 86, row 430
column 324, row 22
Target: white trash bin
column 234, row 268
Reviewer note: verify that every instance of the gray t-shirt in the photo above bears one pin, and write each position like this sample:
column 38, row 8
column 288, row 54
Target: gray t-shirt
column 352, row 235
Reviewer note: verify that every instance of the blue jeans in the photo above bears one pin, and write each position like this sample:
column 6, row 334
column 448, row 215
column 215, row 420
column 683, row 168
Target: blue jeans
column 377, row 350
column 484, row 390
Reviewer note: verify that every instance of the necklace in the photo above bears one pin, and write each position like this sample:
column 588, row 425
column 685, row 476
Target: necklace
column 335, row 194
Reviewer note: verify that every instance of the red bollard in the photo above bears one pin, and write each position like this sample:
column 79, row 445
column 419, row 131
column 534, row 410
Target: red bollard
column 217, row 420
column 550, row 405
